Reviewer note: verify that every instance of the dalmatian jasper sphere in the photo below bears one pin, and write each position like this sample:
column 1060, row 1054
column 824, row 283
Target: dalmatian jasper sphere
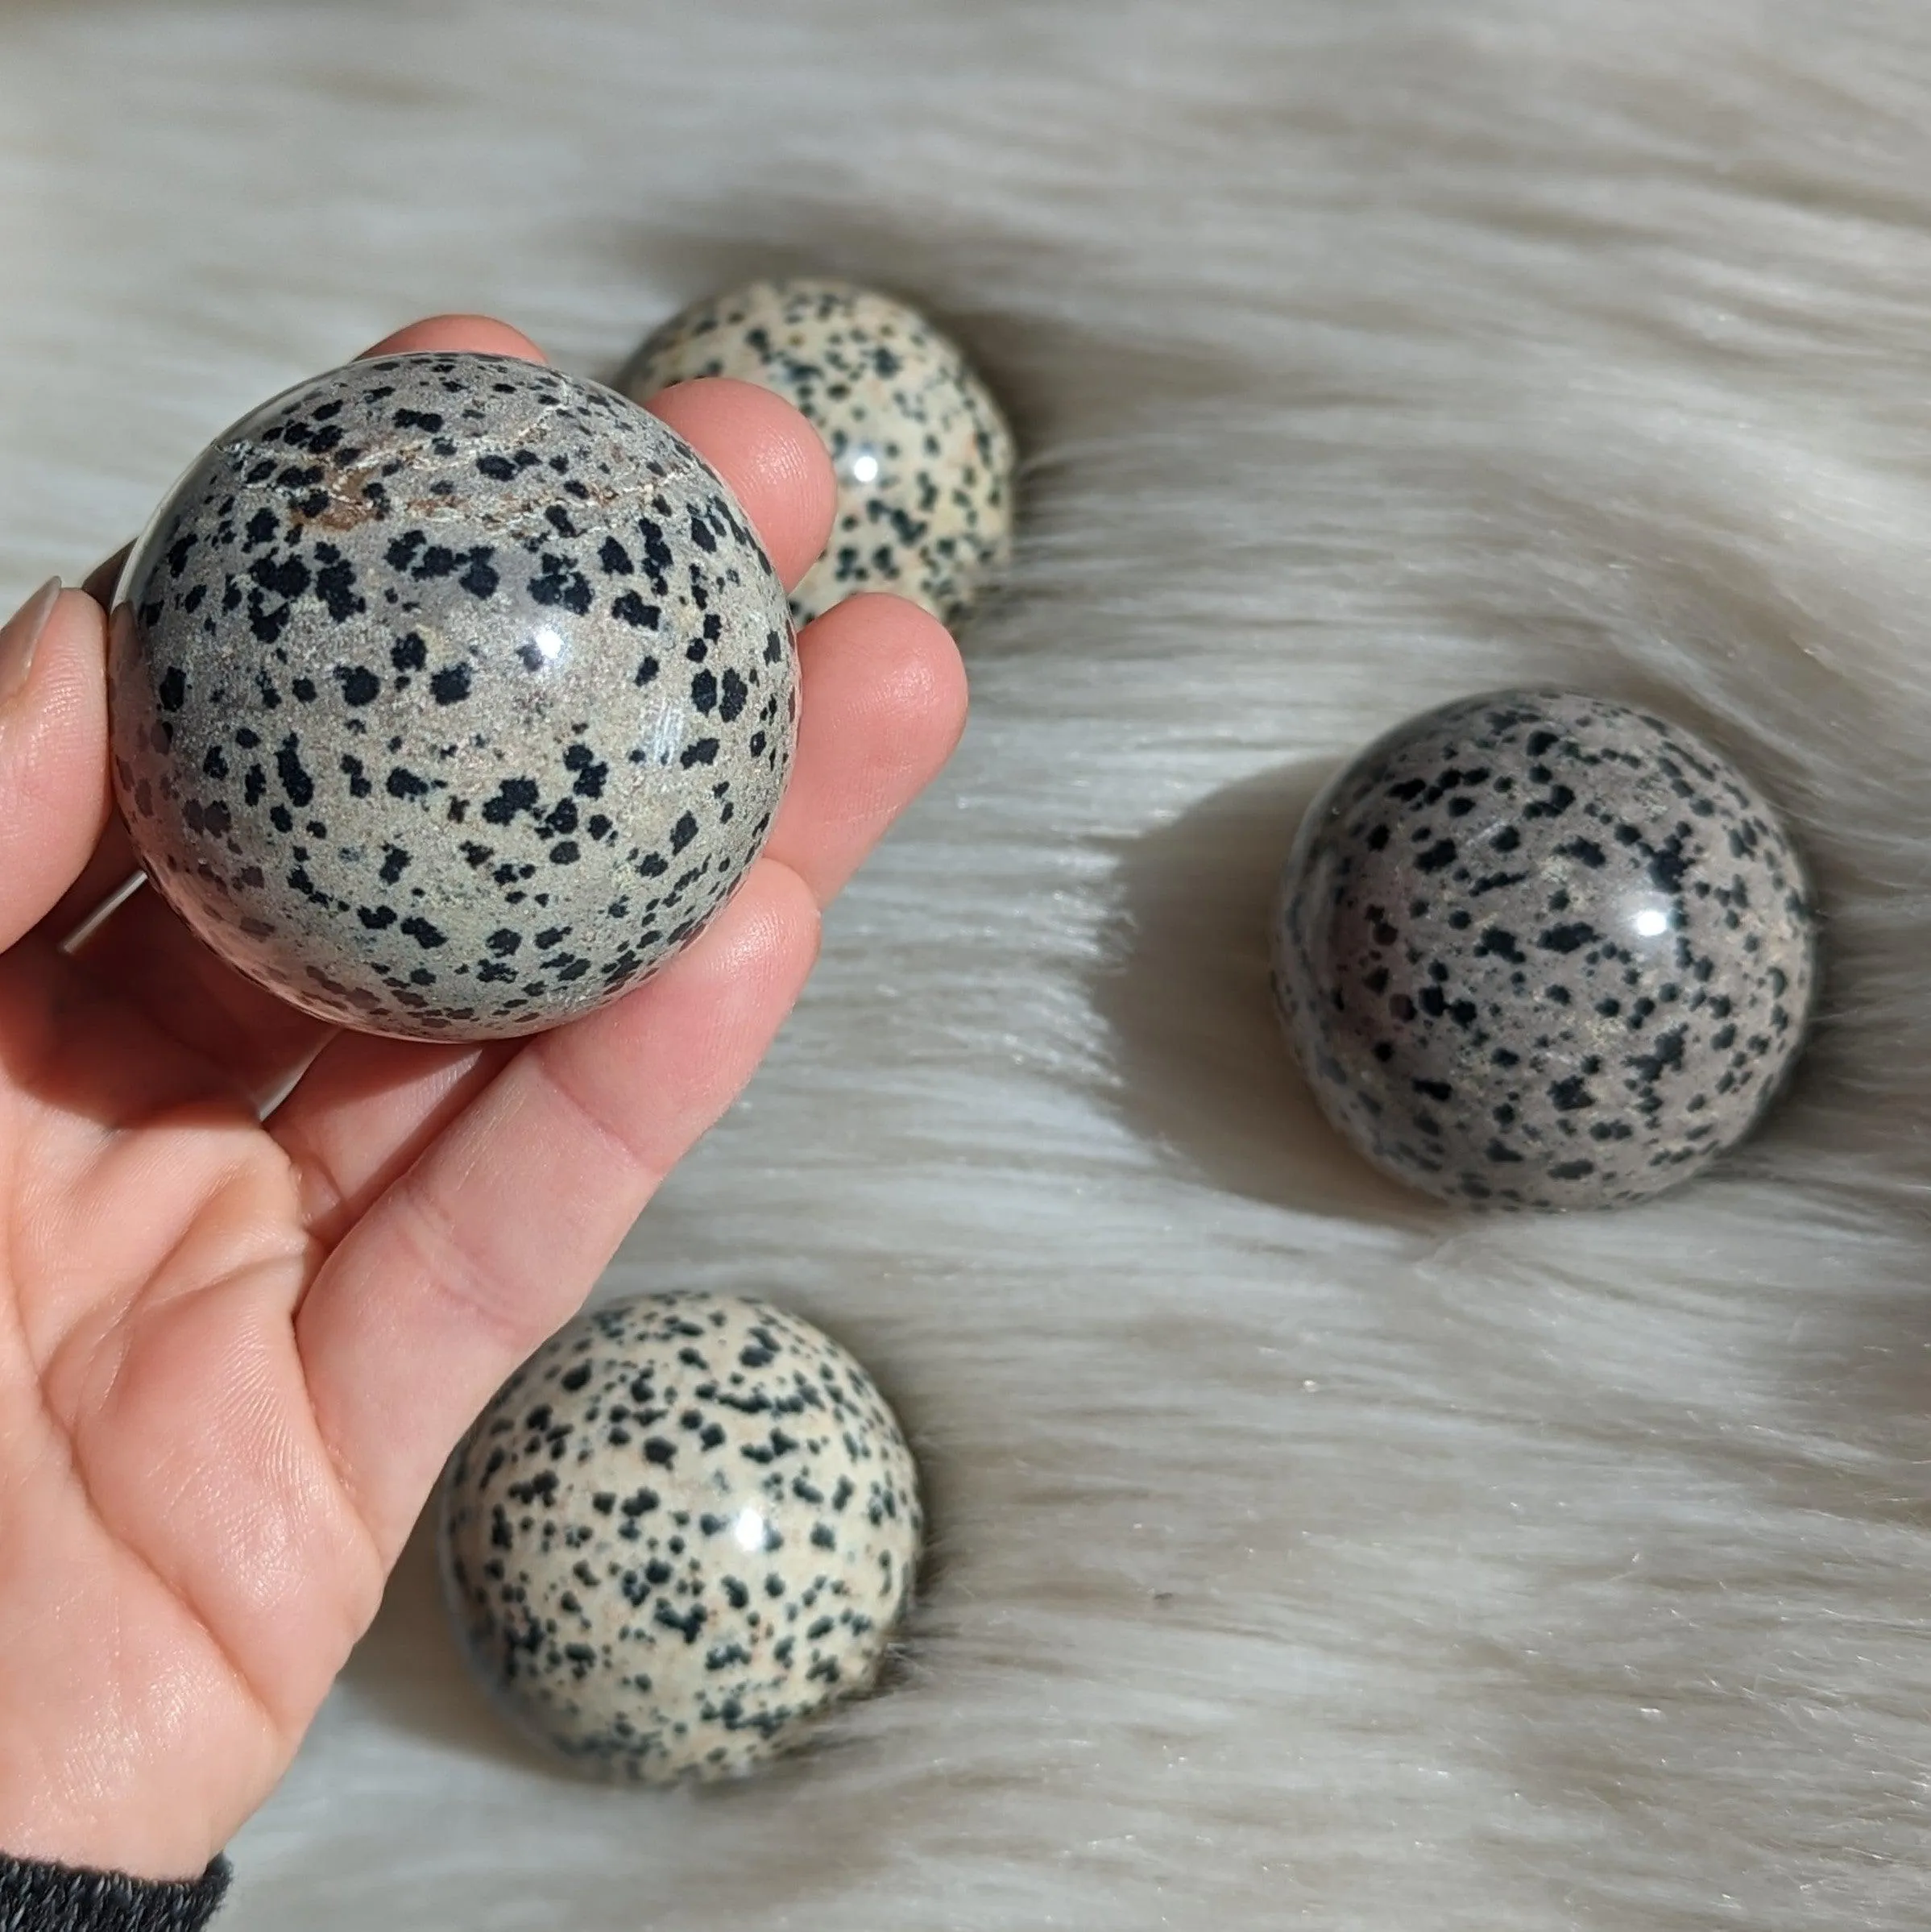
column 450, row 695
column 680, row 1532
column 1537, row 950
column 922, row 453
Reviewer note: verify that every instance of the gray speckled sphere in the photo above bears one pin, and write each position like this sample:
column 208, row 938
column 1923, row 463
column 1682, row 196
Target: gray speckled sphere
column 449, row 695
column 922, row 452
column 679, row 1534
column 1538, row 950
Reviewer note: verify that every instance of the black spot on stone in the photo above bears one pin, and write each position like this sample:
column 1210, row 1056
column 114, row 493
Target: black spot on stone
column 590, row 775
column 1669, row 863
column 335, row 584
column 297, row 785
column 513, row 795
column 1567, row 938
column 560, row 583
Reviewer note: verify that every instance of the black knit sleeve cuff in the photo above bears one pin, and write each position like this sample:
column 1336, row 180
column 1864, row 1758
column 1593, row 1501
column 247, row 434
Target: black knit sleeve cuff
column 34, row 1897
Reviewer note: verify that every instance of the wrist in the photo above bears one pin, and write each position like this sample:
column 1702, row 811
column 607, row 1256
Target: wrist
column 35, row 1892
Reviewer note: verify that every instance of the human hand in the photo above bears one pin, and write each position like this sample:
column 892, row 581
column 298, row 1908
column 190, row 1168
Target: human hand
column 234, row 1353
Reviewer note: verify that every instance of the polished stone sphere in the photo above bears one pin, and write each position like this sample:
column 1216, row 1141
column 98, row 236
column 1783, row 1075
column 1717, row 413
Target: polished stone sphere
column 678, row 1535
column 923, row 455
column 449, row 695
column 1538, row 950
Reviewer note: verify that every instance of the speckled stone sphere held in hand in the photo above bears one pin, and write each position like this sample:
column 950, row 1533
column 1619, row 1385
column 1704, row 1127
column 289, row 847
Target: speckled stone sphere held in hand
column 680, row 1534
column 923, row 454
column 1538, row 950
column 450, row 695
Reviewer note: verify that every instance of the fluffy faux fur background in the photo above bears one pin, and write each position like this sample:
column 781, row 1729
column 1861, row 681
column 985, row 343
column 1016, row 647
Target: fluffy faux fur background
column 1306, row 1555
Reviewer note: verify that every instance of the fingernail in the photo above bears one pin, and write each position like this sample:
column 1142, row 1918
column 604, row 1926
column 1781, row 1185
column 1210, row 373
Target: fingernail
column 20, row 636
column 101, row 581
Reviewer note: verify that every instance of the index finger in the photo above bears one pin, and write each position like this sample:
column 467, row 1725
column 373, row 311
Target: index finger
column 772, row 459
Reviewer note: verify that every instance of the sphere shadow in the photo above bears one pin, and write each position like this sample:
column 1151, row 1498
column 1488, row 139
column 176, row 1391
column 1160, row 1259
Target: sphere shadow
column 1203, row 1070
column 408, row 1666
column 1052, row 378
column 1067, row 391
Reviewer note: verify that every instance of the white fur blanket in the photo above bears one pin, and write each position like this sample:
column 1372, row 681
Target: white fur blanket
column 1306, row 1555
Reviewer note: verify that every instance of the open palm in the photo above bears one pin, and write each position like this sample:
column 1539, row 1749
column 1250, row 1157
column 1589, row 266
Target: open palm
column 235, row 1352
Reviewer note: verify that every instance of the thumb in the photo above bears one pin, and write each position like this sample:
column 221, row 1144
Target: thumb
column 54, row 800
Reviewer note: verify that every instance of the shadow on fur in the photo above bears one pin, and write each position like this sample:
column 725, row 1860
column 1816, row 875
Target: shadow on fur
column 1205, row 1071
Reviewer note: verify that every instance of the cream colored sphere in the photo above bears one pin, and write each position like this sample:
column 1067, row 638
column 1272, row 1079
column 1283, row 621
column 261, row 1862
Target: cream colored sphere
column 923, row 454
column 678, row 1535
